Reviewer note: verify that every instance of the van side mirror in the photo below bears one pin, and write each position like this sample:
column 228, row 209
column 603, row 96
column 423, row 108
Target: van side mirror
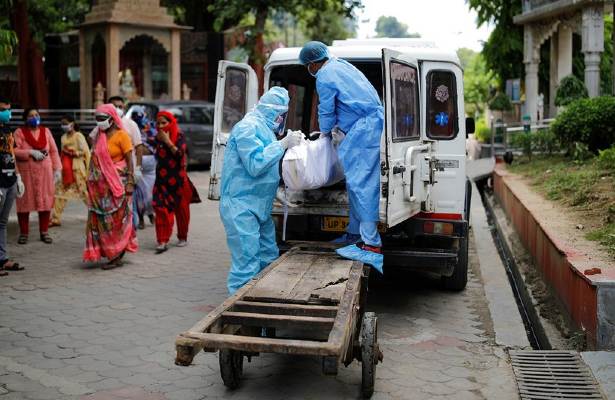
column 470, row 126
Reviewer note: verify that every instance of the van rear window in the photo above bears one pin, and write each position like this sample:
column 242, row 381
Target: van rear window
column 234, row 106
column 442, row 105
column 405, row 94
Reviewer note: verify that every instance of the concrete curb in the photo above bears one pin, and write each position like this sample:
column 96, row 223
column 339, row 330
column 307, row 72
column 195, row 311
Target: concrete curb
column 588, row 299
column 507, row 323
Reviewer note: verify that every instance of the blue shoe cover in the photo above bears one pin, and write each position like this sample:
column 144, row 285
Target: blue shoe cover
column 353, row 252
column 347, row 238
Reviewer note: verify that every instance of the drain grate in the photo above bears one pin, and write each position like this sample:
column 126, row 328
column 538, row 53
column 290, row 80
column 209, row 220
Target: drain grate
column 544, row 375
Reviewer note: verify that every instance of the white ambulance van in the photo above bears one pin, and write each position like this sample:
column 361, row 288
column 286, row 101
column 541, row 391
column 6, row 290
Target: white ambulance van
column 424, row 192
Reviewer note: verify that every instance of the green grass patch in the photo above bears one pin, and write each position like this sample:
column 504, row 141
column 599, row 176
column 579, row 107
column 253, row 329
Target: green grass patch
column 605, row 236
column 588, row 186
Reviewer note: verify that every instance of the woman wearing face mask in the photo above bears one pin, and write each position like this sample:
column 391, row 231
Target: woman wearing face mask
column 75, row 156
column 109, row 230
column 173, row 191
column 39, row 163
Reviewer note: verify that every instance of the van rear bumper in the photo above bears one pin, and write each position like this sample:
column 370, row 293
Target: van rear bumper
column 436, row 261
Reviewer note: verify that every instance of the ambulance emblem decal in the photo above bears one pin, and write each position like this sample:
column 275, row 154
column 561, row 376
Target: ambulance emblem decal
column 442, row 93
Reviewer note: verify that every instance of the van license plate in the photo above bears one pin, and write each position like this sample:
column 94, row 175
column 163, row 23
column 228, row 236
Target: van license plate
column 334, row 224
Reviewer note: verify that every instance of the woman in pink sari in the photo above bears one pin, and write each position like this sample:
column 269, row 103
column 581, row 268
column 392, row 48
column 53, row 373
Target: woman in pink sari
column 109, row 231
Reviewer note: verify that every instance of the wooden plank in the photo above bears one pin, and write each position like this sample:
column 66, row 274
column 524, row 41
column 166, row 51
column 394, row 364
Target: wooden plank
column 261, row 344
column 277, row 285
column 276, row 321
column 213, row 316
column 306, row 310
column 345, row 321
column 324, row 282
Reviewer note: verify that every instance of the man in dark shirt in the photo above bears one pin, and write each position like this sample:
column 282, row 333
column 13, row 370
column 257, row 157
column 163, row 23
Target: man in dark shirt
column 11, row 185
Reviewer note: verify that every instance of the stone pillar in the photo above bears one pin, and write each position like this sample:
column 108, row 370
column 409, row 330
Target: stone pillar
column 85, row 73
column 553, row 76
column 113, row 47
column 593, row 46
column 175, row 66
column 564, row 52
column 147, row 75
column 531, row 60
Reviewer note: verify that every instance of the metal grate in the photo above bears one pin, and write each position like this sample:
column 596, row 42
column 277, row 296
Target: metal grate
column 544, row 375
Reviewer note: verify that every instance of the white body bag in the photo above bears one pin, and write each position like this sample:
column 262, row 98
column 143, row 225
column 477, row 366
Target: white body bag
column 312, row 165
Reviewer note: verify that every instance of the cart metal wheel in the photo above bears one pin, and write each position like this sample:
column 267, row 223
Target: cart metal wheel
column 370, row 353
column 231, row 367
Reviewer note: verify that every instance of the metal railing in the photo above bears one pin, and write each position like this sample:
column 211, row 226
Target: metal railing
column 502, row 135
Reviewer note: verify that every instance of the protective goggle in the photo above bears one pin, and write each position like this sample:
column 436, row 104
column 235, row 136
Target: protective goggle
column 280, row 123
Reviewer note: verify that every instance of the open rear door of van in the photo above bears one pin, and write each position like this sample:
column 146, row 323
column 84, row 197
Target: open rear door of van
column 236, row 94
column 405, row 151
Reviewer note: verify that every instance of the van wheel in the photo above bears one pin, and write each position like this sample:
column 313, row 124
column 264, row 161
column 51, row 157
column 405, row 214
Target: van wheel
column 459, row 279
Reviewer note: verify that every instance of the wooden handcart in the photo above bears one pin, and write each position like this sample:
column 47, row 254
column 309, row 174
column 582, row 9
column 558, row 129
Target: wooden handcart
column 307, row 302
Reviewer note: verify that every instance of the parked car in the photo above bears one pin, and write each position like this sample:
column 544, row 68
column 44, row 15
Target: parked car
column 195, row 119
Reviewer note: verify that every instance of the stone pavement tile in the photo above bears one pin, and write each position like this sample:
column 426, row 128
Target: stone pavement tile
column 125, row 393
column 105, row 384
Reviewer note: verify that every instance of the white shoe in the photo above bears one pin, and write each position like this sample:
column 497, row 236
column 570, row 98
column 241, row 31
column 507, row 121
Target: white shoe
column 182, row 243
column 161, row 248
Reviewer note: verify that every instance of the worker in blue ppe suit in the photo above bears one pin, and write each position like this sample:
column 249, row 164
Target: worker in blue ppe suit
column 250, row 177
column 349, row 103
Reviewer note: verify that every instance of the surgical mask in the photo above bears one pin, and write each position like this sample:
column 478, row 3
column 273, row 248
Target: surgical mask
column 312, row 73
column 5, row 116
column 104, row 125
column 67, row 128
column 33, row 122
column 120, row 112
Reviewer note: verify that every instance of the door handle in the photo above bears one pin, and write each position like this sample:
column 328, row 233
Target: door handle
column 410, row 152
column 399, row 169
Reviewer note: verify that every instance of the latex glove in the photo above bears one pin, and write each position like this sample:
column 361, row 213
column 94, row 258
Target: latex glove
column 337, row 136
column 138, row 175
column 292, row 139
column 21, row 188
column 57, row 175
column 37, row 155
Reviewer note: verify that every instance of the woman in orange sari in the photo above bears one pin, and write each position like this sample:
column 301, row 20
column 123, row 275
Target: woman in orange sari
column 109, row 231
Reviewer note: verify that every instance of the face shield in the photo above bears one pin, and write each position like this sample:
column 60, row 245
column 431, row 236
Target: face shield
column 280, row 124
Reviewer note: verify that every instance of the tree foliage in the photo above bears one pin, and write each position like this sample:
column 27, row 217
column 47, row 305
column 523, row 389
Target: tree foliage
column 8, row 38
column 503, row 51
column 570, row 89
column 392, row 28
column 231, row 12
column 500, row 102
column 478, row 82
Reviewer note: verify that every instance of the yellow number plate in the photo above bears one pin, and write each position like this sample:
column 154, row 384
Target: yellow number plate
column 334, row 224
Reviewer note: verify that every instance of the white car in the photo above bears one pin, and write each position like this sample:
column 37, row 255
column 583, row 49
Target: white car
column 425, row 195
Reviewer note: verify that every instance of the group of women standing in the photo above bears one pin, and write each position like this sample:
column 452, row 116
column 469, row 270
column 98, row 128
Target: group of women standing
column 103, row 177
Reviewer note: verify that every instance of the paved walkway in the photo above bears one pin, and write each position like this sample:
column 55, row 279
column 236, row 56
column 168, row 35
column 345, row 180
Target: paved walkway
column 72, row 331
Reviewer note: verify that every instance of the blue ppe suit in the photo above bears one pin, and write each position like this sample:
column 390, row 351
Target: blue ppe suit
column 250, row 178
column 350, row 102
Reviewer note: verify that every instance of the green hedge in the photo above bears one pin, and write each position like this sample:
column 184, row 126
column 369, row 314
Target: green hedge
column 587, row 121
column 570, row 89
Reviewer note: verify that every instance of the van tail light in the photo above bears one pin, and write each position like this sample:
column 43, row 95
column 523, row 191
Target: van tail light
column 438, row 228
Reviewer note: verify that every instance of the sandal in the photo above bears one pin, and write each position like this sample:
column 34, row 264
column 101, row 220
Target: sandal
column 141, row 225
column 45, row 238
column 115, row 263
column 23, row 239
column 54, row 224
column 8, row 265
column 3, row 273
column 161, row 248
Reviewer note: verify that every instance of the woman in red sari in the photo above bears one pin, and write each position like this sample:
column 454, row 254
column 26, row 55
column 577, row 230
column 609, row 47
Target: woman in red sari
column 173, row 191
column 109, row 231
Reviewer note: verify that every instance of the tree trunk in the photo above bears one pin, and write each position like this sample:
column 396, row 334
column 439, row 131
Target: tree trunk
column 257, row 57
column 31, row 73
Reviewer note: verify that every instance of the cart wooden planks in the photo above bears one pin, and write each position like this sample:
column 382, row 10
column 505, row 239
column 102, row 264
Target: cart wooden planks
column 308, row 302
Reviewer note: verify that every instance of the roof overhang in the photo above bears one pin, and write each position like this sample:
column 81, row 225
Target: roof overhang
column 556, row 8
